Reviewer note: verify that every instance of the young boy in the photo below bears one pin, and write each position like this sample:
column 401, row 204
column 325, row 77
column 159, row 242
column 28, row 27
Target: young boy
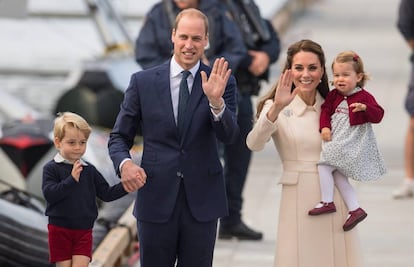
column 70, row 186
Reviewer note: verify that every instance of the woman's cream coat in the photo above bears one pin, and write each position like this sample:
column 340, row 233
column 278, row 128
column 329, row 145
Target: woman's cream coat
column 303, row 240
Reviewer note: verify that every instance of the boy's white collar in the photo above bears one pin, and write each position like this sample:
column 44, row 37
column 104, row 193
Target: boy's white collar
column 59, row 159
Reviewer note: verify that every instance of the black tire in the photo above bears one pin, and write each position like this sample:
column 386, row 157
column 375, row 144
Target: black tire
column 80, row 100
column 108, row 105
column 23, row 240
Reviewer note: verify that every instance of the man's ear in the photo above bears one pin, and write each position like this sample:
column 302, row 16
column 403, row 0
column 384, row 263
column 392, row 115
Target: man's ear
column 172, row 35
column 207, row 41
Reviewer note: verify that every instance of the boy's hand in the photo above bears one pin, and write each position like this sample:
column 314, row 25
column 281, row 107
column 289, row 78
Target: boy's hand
column 76, row 170
column 133, row 177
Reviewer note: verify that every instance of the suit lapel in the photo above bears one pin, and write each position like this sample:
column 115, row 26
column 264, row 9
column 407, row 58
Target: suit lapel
column 162, row 85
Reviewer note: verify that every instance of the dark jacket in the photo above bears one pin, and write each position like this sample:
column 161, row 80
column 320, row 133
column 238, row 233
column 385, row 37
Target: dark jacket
column 168, row 159
column 405, row 22
column 373, row 114
column 72, row 204
column 153, row 45
column 258, row 34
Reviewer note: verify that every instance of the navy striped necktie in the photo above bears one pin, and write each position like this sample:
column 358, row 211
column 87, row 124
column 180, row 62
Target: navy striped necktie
column 182, row 100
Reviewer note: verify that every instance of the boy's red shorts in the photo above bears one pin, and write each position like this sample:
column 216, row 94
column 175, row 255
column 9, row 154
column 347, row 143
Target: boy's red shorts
column 64, row 243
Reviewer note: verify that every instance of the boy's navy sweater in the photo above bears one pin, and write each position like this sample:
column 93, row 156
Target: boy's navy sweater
column 72, row 204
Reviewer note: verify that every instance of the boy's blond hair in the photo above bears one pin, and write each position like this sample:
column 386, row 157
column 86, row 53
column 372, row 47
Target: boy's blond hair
column 70, row 119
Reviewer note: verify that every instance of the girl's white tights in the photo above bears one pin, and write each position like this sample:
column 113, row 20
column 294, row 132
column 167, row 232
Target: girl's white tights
column 330, row 177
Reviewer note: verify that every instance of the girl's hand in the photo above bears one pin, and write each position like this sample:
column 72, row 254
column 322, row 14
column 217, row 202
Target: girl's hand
column 326, row 134
column 358, row 107
column 76, row 170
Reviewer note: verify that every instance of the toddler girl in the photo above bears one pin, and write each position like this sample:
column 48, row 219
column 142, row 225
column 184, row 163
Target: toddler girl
column 349, row 148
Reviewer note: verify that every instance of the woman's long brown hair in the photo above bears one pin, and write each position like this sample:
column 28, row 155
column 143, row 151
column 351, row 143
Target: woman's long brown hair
column 307, row 46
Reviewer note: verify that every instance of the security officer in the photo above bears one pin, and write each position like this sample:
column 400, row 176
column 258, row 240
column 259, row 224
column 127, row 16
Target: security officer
column 405, row 25
column 263, row 46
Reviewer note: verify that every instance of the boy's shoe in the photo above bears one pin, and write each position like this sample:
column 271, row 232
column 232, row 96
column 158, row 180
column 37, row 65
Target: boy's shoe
column 354, row 218
column 406, row 190
column 322, row 208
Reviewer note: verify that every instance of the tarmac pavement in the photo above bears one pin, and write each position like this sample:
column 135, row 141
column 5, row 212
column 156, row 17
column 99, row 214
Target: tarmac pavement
column 387, row 235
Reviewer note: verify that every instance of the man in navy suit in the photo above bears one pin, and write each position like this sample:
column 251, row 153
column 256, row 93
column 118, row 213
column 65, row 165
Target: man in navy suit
column 181, row 191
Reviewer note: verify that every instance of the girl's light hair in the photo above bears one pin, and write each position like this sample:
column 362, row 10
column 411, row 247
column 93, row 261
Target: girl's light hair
column 352, row 57
column 72, row 120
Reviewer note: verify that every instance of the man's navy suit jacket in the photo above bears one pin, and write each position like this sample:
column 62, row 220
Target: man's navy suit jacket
column 167, row 158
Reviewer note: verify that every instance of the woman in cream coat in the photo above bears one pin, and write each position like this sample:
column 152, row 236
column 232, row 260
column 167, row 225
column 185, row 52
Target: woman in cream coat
column 289, row 114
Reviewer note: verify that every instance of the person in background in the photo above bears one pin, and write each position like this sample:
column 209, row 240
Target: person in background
column 262, row 42
column 405, row 25
column 349, row 146
column 153, row 45
column 181, row 191
column 70, row 187
column 283, row 114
